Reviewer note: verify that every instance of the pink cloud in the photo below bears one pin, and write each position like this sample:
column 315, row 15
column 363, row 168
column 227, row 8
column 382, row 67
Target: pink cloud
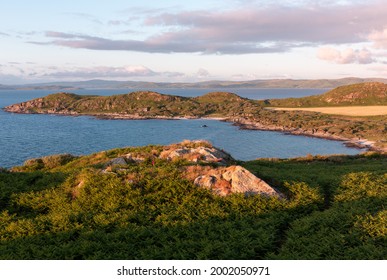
column 347, row 56
column 379, row 38
column 103, row 71
column 254, row 29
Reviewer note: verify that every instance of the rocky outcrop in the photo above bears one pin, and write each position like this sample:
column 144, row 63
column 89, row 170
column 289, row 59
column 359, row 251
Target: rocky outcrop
column 234, row 179
column 221, row 180
column 198, row 154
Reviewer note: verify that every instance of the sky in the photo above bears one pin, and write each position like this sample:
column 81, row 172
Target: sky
column 191, row 41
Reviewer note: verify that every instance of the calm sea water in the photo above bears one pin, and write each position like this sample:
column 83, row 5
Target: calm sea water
column 29, row 136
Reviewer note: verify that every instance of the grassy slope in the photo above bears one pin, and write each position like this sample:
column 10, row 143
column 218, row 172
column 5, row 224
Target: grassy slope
column 362, row 127
column 65, row 208
column 357, row 94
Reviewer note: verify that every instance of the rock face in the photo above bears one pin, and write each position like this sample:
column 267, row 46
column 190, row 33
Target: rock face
column 234, row 179
column 199, row 154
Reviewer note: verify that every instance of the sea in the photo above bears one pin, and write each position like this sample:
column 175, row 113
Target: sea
column 25, row 136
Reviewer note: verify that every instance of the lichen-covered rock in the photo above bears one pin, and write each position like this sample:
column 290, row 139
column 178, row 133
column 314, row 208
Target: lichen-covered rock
column 233, row 179
column 131, row 157
column 198, row 154
column 214, row 183
column 116, row 162
column 243, row 181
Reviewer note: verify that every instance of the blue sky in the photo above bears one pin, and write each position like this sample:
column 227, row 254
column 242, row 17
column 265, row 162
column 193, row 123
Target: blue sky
column 180, row 41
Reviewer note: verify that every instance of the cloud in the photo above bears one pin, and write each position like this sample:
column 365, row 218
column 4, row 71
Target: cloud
column 346, row 56
column 108, row 72
column 202, row 73
column 87, row 17
column 379, row 38
column 275, row 23
column 4, row 34
column 54, row 34
column 251, row 29
column 103, row 71
column 158, row 44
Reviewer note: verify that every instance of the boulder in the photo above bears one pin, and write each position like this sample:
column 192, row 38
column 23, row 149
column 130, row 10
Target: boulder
column 116, row 162
column 243, row 181
column 134, row 158
column 234, row 179
column 214, row 183
column 207, row 181
column 173, row 154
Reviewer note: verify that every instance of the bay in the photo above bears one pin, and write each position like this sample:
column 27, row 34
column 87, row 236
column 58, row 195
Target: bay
column 29, row 136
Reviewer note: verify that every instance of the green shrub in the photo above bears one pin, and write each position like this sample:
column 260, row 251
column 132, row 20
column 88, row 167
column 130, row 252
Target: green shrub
column 361, row 185
column 373, row 225
column 34, row 164
column 57, row 160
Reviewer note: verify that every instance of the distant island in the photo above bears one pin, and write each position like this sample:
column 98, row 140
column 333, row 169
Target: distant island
column 267, row 83
column 360, row 131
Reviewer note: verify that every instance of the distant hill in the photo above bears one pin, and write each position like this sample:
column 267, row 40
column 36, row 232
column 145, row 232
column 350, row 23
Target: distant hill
column 4, row 87
column 372, row 93
column 271, row 83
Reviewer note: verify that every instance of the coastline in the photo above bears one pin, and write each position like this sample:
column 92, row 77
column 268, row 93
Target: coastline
column 242, row 123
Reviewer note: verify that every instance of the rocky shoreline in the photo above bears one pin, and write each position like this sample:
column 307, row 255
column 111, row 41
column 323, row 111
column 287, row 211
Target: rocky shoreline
column 354, row 143
column 242, row 123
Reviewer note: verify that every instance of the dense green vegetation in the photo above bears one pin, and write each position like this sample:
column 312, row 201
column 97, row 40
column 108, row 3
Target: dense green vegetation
column 64, row 207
